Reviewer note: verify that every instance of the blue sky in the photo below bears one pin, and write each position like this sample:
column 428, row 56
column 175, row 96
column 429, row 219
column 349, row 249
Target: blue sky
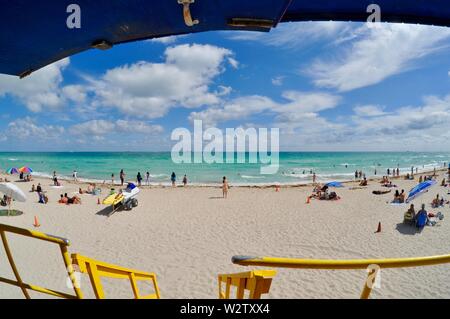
column 326, row 85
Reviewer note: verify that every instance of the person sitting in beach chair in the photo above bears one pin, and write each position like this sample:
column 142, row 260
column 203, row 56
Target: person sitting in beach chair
column 422, row 218
column 410, row 216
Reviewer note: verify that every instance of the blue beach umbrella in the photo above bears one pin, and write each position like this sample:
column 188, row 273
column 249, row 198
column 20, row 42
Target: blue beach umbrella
column 12, row 170
column 419, row 190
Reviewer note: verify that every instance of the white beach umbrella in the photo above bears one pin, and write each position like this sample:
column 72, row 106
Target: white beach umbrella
column 13, row 191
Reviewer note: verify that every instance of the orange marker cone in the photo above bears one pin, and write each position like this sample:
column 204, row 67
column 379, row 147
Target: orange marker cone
column 379, row 228
column 36, row 222
column 308, row 200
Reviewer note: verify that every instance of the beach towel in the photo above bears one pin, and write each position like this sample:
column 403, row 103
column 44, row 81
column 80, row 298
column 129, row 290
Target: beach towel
column 334, row 184
column 381, row 192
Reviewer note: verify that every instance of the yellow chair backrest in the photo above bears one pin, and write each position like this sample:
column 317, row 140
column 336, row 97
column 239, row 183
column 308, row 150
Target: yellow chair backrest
column 95, row 269
column 255, row 282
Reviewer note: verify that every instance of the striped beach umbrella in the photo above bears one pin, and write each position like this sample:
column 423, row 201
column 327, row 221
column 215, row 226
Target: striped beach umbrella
column 26, row 170
column 12, row 170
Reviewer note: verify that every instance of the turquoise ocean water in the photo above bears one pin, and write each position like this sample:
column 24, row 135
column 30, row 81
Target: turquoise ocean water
column 295, row 167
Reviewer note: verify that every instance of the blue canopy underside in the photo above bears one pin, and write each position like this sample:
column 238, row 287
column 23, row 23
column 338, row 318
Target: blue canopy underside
column 34, row 33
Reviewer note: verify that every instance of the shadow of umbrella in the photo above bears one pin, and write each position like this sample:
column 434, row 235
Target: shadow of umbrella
column 13, row 193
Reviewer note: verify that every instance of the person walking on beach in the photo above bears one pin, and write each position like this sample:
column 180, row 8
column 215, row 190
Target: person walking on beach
column 173, row 178
column 356, row 174
column 398, row 172
column 74, row 175
column 184, row 180
column 112, row 179
column 314, row 178
column 139, row 179
column 122, row 177
column 225, row 187
column 55, row 179
column 147, row 178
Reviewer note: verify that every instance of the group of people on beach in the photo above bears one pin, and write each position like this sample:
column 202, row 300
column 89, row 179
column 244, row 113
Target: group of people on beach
column 65, row 199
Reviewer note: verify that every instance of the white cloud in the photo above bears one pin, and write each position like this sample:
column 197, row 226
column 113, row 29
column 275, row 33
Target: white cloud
column 98, row 128
column 171, row 39
column 298, row 105
column 291, row 35
column 76, row 93
column 28, row 128
column 278, row 80
column 376, row 54
column 369, row 110
column 150, row 90
column 40, row 90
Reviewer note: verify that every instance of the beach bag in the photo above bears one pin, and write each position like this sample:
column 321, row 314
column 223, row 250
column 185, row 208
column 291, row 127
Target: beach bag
column 421, row 220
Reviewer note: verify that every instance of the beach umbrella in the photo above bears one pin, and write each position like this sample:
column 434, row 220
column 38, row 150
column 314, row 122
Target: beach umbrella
column 25, row 169
column 12, row 170
column 13, row 192
column 420, row 189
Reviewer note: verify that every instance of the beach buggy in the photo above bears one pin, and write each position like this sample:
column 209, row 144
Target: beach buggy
column 125, row 198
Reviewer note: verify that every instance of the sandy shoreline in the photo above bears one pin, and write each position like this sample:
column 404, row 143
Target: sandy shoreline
column 188, row 235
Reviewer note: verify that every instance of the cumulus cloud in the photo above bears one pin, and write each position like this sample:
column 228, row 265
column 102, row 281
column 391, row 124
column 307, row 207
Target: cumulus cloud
column 40, row 90
column 150, row 90
column 297, row 105
column 28, row 128
column 376, row 54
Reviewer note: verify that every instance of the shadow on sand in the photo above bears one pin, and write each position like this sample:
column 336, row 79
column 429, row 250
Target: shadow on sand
column 217, row 197
column 108, row 211
column 407, row 229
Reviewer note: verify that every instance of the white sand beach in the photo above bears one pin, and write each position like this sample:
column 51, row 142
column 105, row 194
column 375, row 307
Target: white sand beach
column 188, row 235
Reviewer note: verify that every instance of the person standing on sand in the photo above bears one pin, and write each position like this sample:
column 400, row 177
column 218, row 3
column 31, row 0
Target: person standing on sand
column 55, row 179
column 225, row 187
column 173, row 178
column 139, row 179
column 147, row 178
column 74, row 174
column 314, row 178
column 185, row 181
column 112, row 179
column 122, row 177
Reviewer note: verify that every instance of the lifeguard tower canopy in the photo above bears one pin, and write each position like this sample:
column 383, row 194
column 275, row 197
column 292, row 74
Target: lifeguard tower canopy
column 36, row 33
